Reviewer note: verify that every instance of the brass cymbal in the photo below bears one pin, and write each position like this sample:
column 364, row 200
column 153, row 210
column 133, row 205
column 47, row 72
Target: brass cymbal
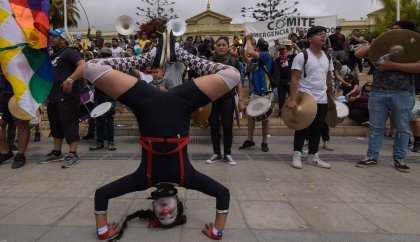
column 331, row 118
column 404, row 44
column 17, row 111
column 201, row 115
column 303, row 115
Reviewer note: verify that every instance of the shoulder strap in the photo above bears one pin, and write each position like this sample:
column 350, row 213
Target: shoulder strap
column 305, row 59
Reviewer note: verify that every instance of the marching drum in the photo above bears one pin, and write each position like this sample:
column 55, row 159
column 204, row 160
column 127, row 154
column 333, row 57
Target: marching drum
column 259, row 109
column 342, row 111
column 415, row 113
column 415, row 119
column 86, row 104
column 101, row 109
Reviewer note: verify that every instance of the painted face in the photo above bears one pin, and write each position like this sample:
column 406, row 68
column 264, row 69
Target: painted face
column 166, row 209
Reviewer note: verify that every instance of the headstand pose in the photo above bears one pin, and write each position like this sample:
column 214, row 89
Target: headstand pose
column 164, row 129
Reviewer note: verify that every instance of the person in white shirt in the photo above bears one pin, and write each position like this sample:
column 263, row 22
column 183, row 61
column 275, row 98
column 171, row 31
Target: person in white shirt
column 117, row 51
column 314, row 78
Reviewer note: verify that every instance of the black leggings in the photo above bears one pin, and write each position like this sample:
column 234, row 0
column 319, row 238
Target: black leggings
column 163, row 115
column 222, row 108
column 313, row 132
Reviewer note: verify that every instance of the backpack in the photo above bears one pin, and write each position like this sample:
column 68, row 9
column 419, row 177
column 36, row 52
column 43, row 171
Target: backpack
column 274, row 74
column 305, row 57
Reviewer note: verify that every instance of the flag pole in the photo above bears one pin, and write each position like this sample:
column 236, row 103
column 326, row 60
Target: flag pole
column 65, row 15
column 398, row 10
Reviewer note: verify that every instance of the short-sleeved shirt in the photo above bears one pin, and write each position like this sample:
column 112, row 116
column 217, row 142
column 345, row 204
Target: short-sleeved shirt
column 393, row 81
column 64, row 61
column 338, row 42
column 315, row 82
column 165, row 83
column 117, row 52
column 260, row 80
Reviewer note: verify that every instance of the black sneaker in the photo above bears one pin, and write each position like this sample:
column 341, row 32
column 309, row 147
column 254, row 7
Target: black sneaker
column 37, row 137
column 5, row 157
column 97, row 146
column 400, row 165
column 264, row 147
column 247, row 144
column 19, row 161
column 170, row 47
column 367, row 162
column 159, row 60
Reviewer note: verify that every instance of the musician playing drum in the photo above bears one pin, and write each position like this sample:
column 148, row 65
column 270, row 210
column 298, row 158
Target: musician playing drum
column 392, row 91
column 165, row 122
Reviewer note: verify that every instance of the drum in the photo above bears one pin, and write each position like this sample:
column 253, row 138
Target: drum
column 415, row 113
column 415, row 119
column 86, row 104
column 342, row 111
column 101, row 109
column 259, row 109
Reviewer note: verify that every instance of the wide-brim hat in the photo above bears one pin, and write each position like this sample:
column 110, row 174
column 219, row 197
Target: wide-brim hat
column 303, row 115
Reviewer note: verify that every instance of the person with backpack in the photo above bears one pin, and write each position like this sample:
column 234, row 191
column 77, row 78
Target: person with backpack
column 311, row 73
column 261, row 63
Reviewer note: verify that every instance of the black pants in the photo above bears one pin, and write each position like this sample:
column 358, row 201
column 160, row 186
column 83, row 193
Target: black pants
column 282, row 90
column 164, row 115
column 313, row 132
column 325, row 133
column 222, row 109
column 359, row 115
column 354, row 60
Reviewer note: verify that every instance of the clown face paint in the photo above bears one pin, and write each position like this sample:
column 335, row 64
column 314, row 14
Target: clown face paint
column 166, row 209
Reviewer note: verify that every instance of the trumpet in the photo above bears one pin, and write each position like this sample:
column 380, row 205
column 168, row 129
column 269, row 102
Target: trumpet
column 178, row 26
column 124, row 25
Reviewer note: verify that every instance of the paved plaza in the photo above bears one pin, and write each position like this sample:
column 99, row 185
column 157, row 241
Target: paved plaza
column 270, row 200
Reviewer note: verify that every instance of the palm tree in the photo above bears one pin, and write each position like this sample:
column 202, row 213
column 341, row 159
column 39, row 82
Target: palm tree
column 57, row 12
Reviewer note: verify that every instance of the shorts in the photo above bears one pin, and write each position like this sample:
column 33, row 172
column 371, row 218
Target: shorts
column 4, row 107
column 64, row 120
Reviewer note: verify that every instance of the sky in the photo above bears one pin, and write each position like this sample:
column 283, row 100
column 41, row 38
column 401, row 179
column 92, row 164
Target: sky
column 103, row 13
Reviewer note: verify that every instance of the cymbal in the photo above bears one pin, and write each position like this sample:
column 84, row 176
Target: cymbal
column 303, row 115
column 331, row 118
column 17, row 111
column 405, row 45
column 201, row 115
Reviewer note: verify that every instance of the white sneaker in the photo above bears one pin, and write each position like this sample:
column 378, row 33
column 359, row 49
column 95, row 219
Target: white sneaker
column 316, row 161
column 297, row 160
column 230, row 160
column 213, row 158
column 326, row 146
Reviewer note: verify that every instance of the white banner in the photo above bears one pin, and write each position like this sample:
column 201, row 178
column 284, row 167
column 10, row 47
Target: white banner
column 282, row 27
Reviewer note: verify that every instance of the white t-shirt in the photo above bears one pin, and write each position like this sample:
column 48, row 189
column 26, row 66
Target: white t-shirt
column 117, row 52
column 146, row 77
column 316, row 70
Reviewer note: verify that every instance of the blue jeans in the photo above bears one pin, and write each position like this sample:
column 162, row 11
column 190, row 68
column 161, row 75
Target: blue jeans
column 400, row 105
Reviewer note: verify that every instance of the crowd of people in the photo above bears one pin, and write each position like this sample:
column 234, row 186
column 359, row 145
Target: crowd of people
column 153, row 72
